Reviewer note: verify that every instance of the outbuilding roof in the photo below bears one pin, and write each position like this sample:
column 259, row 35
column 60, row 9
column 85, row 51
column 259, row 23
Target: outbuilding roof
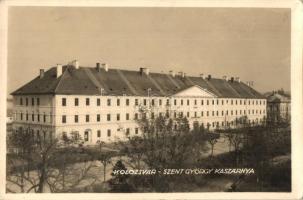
column 93, row 81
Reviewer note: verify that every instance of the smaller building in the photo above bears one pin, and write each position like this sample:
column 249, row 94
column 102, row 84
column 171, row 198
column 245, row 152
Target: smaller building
column 278, row 106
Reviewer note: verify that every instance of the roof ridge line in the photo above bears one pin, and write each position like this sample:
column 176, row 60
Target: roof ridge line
column 233, row 89
column 213, row 87
column 59, row 82
column 132, row 89
column 173, row 81
column 92, row 78
column 156, row 84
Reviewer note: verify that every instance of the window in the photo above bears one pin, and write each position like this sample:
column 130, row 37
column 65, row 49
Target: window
column 63, row 101
column 26, row 116
column 108, row 117
column 21, row 116
column 217, row 113
column 26, row 101
column 222, row 113
column 227, row 112
column 181, row 102
column 236, row 102
column 136, row 102
column 231, row 112
column 144, row 102
column 202, row 102
column 108, row 102
column 127, row 131
column 152, row 115
column 98, row 133
column 207, row 113
column 160, row 102
column 33, row 101
column 213, row 102
column 175, row 115
column 98, row 117
column 38, row 101
column 21, row 101
column 167, row 102
column 187, row 114
column 136, row 130
column 195, row 114
column 38, row 117
column 87, row 101
column 153, row 102
column 217, row 101
column 118, row 102
column 108, row 133
column 127, row 102
column 195, row 101
column 188, row 102
column 63, row 119
column 201, row 113
column 33, row 117
column 44, row 118
column 240, row 102
column 207, row 102
column 76, row 102
column 98, row 102
column 222, row 102
column 231, row 102
column 175, row 102
column 118, row 117
column 76, row 118
column 236, row 112
column 87, row 118
column 127, row 116
column 213, row 113
column 136, row 115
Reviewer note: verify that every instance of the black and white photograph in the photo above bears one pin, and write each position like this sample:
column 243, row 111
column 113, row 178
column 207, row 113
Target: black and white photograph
column 151, row 99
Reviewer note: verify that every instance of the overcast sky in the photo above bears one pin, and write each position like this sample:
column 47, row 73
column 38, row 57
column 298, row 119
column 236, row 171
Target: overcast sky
column 253, row 44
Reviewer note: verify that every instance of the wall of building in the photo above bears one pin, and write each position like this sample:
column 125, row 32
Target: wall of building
column 60, row 112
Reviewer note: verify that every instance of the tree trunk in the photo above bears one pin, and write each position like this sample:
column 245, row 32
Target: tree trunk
column 104, row 172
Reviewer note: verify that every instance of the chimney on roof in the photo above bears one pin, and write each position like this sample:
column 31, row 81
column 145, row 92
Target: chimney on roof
column 58, row 70
column 209, row 77
column 182, row 74
column 144, row 70
column 225, row 78
column 75, row 63
column 232, row 79
column 41, row 73
column 172, row 73
column 105, row 66
column 202, row 76
column 98, row 67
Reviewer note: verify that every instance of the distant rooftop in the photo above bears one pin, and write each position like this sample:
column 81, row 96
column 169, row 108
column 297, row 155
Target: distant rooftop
column 73, row 79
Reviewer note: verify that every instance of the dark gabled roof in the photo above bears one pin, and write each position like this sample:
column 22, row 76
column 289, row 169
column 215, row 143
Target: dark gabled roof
column 278, row 98
column 90, row 81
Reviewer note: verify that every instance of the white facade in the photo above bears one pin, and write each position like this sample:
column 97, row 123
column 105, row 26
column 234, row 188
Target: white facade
column 108, row 118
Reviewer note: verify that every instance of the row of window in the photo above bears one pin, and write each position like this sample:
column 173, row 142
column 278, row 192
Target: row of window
column 152, row 115
column 42, row 117
column 127, row 132
column 216, row 124
column 168, row 102
column 36, row 101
